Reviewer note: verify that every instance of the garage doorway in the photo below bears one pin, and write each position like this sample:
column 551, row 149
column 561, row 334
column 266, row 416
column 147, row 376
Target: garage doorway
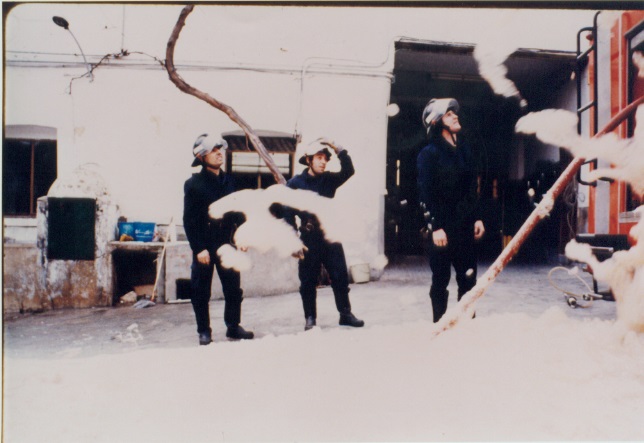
column 508, row 165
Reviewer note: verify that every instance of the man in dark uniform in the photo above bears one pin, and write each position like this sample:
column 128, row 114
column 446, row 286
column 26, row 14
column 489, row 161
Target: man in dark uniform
column 206, row 236
column 320, row 251
column 447, row 184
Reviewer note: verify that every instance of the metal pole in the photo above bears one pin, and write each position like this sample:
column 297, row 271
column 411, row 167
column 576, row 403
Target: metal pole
column 60, row 21
column 89, row 70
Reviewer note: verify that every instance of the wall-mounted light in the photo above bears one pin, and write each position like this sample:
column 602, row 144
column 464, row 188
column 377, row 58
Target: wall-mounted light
column 392, row 110
column 65, row 25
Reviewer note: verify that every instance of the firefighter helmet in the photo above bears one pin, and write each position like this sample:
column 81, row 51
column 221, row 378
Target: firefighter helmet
column 204, row 145
column 435, row 110
column 315, row 147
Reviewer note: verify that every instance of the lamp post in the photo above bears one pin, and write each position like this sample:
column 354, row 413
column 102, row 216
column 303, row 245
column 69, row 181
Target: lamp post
column 65, row 25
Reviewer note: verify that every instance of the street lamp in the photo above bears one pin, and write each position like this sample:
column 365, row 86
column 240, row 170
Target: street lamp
column 65, row 25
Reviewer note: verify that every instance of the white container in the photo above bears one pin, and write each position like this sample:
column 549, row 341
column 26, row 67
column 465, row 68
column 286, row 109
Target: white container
column 360, row 273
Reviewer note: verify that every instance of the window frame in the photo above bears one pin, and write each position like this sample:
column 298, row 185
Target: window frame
column 263, row 176
column 33, row 136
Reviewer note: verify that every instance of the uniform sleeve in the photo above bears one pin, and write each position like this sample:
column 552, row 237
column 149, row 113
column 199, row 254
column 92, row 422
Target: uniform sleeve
column 230, row 185
column 346, row 170
column 426, row 166
column 473, row 195
column 193, row 219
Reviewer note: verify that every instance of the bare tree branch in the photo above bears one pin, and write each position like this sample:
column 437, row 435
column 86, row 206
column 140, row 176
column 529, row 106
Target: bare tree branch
column 230, row 112
column 107, row 57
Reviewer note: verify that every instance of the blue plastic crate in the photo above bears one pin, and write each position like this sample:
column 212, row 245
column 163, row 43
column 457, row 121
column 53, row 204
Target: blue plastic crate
column 126, row 228
column 144, row 231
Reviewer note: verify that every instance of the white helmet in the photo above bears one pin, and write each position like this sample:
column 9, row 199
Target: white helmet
column 435, row 109
column 315, row 147
column 204, row 145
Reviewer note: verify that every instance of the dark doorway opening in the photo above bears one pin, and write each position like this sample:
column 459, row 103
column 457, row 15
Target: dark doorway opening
column 133, row 270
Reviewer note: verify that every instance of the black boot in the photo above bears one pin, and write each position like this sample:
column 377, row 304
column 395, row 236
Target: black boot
column 239, row 333
column 439, row 303
column 348, row 319
column 205, row 338
column 310, row 323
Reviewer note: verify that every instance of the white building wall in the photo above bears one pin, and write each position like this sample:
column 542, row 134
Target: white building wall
column 139, row 128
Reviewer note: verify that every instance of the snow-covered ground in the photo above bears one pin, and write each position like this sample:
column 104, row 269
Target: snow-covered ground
column 527, row 368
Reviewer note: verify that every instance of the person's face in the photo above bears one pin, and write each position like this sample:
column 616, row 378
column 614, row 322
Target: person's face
column 450, row 121
column 317, row 163
column 214, row 159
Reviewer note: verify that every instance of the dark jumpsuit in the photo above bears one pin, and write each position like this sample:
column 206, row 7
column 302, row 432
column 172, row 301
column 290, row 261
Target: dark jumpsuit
column 447, row 183
column 321, row 252
column 200, row 191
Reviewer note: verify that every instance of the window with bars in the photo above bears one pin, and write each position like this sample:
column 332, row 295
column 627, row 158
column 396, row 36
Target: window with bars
column 248, row 168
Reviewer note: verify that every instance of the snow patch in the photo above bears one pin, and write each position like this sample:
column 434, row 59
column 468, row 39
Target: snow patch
column 234, row 258
column 379, row 262
column 490, row 54
column 131, row 335
column 393, row 384
column 545, row 206
column 264, row 232
column 559, row 128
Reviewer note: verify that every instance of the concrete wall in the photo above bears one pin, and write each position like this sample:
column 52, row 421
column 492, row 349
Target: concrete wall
column 21, row 279
column 20, row 230
column 78, row 283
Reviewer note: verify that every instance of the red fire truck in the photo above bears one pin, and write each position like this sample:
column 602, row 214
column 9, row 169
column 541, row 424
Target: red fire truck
column 611, row 82
column 613, row 78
